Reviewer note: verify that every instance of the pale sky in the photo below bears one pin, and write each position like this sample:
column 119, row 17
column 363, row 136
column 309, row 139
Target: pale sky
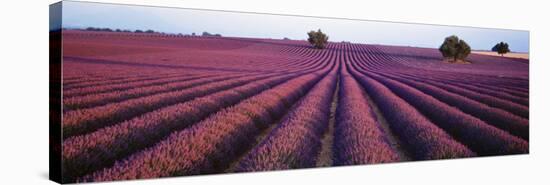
column 186, row 21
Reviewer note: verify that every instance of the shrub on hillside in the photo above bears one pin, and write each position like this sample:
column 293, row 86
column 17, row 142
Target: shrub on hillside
column 98, row 29
column 206, row 34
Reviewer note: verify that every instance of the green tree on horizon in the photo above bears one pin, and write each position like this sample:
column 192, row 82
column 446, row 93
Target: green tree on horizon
column 454, row 48
column 501, row 48
column 317, row 38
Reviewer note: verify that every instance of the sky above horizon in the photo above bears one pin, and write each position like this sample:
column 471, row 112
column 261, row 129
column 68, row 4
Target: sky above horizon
column 187, row 21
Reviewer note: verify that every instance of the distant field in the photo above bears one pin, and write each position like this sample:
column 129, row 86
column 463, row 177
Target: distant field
column 510, row 55
column 151, row 105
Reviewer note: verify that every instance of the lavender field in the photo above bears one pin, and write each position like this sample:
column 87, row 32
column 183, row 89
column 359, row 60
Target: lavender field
column 147, row 105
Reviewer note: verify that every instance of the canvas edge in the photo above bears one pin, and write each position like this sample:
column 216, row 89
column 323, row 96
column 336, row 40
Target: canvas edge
column 55, row 90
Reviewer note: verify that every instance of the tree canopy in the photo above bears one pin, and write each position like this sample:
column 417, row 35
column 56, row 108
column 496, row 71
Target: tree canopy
column 317, row 38
column 454, row 48
column 501, row 48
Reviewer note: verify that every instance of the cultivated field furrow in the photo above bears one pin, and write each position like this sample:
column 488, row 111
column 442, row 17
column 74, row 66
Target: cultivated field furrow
column 82, row 121
column 93, row 100
column 111, row 143
column 296, row 141
column 504, row 120
column 359, row 138
column 481, row 137
column 210, row 144
column 514, row 108
column 422, row 138
column 119, row 80
column 504, row 93
column 142, row 83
